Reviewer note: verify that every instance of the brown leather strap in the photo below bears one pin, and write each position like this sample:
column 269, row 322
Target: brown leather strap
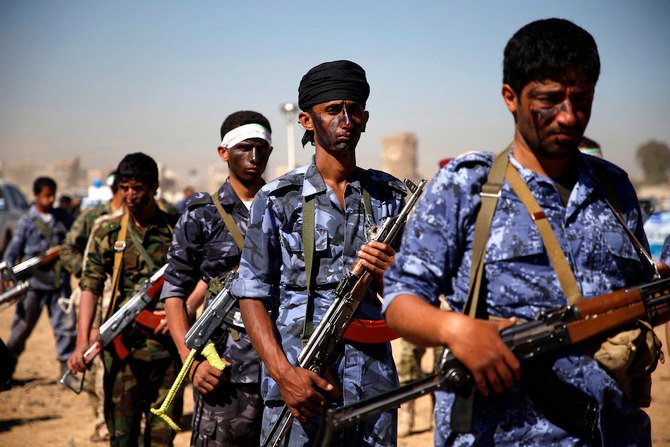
column 119, row 248
column 489, row 199
column 556, row 255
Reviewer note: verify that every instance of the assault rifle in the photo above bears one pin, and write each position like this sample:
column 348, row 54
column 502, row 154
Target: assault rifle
column 348, row 294
column 201, row 338
column 18, row 274
column 133, row 311
column 553, row 330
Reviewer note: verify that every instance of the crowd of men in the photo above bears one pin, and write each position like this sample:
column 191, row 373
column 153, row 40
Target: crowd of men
column 293, row 239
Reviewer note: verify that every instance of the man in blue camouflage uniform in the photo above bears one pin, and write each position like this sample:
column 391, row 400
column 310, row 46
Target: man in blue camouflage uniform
column 550, row 71
column 41, row 228
column 332, row 98
column 228, row 407
column 134, row 383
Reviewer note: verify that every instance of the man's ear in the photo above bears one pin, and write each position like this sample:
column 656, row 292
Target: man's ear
column 510, row 97
column 223, row 153
column 305, row 119
column 366, row 117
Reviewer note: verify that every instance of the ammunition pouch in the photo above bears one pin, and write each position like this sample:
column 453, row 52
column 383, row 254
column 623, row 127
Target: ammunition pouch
column 630, row 356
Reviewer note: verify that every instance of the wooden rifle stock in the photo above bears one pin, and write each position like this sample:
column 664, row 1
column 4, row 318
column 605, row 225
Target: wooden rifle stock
column 553, row 330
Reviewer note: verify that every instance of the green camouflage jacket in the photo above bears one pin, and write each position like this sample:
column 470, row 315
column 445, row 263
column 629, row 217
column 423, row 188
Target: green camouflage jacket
column 134, row 271
column 72, row 249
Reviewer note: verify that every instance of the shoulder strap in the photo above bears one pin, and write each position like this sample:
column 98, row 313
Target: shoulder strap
column 308, row 222
column 45, row 229
column 615, row 206
column 119, row 248
column 489, row 199
column 229, row 222
column 556, row 255
column 137, row 242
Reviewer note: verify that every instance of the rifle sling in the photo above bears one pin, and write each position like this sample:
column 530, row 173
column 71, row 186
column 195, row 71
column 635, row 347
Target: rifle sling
column 308, row 238
column 228, row 221
column 554, row 251
column 119, row 248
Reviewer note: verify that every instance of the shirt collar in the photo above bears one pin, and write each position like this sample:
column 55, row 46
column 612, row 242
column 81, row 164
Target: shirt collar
column 314, row 183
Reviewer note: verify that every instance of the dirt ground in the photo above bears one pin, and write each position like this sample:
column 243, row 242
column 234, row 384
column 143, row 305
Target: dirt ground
column 42, row 412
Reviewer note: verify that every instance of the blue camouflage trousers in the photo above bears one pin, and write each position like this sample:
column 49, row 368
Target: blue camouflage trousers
column 231, row 417
column 379, row 430
column 27, row 314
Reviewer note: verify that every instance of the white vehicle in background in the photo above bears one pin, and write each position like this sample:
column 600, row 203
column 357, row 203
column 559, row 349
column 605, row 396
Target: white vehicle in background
column 13, row 205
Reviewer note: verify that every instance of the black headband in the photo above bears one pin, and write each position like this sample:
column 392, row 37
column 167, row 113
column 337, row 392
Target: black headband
column 336, row 80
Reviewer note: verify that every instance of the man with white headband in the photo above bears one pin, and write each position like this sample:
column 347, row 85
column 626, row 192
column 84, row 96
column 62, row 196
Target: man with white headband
column 347, row 203
column 205, row 246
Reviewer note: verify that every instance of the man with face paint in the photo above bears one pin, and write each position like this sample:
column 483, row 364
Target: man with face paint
column 348, row 203
column 228, row 406
column 140, row 378
column 550, row 72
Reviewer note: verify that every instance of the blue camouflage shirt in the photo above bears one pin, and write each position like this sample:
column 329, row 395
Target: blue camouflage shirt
column 29, row 240
column 665, row 252
column 519, row 281
column 272, row 268
column 202, row 248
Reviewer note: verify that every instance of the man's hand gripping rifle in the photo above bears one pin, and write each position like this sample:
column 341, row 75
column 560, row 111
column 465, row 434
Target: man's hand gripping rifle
column 17, row 275
column 110, row 332
column 348, row 294
column 553, row 330
column 201, row 338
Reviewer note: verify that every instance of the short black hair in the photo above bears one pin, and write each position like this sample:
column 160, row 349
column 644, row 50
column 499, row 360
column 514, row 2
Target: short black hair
column 139, row 167
column 549, row 49
column 43, row 182
column 241, row 118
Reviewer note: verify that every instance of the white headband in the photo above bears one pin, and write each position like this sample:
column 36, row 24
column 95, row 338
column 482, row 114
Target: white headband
column 245, row 132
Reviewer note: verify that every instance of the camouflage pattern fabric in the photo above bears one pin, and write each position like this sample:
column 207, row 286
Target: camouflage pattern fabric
column 143, row 378
column 202, row 247
column 230, row 418
column 519, row 281
column 409, row 365
column 132, row 387
column 272, row 270
column 74, row 245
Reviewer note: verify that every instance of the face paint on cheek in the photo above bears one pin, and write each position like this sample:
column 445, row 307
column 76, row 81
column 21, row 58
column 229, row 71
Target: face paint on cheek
column 544, row 117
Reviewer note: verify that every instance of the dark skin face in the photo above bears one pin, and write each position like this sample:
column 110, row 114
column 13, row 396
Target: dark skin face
column 247, row 159
column 137, row 195
column 337, row 125
column 552, row 115
column 44, row 200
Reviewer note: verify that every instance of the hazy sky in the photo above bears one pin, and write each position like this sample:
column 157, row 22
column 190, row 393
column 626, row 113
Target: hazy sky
column 100, row 79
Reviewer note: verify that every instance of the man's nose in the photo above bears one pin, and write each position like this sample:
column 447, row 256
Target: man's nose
column 566, row 115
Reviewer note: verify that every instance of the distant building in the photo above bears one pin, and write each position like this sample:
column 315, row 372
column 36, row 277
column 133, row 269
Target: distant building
column 399, row 157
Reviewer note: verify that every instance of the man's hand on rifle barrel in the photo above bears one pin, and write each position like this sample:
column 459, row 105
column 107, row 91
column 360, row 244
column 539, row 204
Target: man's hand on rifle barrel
column 377, row 257
column 477, row 344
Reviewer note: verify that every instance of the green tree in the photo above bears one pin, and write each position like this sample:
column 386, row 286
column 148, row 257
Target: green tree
column 654, row 159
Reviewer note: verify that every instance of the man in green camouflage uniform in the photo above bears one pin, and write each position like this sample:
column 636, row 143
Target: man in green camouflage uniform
column 135, row 383
column 72, row 256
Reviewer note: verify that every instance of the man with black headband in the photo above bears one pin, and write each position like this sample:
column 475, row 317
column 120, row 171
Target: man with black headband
column 585, row 240
column 347, row 203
